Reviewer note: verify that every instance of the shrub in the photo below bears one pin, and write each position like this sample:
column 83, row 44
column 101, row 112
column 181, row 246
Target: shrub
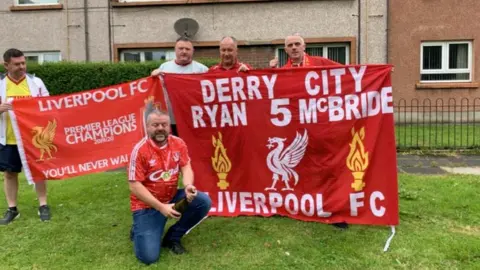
column 70, row 77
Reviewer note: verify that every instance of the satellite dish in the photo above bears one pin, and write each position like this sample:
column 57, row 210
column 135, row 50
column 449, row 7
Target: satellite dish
column 186, row 27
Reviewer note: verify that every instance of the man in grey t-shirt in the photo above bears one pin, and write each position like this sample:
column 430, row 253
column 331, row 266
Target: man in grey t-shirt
column 183, row 63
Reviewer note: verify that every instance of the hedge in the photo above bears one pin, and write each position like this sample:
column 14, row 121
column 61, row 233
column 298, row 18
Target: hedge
column 70, row 77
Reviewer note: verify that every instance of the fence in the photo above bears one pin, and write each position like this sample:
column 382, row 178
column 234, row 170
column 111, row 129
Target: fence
column 437, row 125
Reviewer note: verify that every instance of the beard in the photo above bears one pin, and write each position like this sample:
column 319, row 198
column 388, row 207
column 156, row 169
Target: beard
column 159, row 136
column 18, row 74
column 295, row 54
column 184, row 60
column 228, row 60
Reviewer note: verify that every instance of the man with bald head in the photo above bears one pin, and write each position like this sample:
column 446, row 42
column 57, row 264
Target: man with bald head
column 297, row 57
column 228, row 57
column 153, row 173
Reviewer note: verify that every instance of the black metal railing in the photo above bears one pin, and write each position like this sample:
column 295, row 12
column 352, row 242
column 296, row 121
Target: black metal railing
column 439, row 125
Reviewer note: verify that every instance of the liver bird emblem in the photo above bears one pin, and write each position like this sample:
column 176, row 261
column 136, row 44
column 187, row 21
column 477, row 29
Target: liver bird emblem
column 282, row 162
column 43, row 139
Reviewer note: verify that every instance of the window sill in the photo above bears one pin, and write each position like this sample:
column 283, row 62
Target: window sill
column 116, row 3
column 452, row 85
column 36, row 7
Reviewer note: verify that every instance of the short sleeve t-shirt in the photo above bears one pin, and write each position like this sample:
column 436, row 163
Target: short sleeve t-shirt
column 219, row 68
column 15, row 90
column 157, row 168
column 173, row 67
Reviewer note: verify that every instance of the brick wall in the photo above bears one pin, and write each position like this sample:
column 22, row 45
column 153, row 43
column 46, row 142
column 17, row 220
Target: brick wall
column 256, row 56
column 206, row 52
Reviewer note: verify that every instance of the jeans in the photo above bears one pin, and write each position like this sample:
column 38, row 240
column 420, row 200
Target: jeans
column 149, row 224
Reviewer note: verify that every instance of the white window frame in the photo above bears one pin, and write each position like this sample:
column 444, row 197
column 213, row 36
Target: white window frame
column 325, row 47
column 41, row 56
column 445, row 59
column 17, row 3
column 142, row 53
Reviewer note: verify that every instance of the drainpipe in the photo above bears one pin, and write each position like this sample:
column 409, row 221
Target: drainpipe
column 388, row 29
column 85, row 12
column 110, row 29
column 366, row 32
column 68, row 30
column 359, row 34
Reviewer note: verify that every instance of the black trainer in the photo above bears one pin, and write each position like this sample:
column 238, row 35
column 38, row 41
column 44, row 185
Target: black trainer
column 175, row 247
column 9, row 216
column 44, row 212
column 341, row 225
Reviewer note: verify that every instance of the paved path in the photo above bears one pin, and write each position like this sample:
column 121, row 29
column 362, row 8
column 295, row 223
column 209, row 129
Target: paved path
column 462, row 164
column 416, row 164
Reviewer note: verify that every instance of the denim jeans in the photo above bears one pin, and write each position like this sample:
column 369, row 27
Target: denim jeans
column 149, row 224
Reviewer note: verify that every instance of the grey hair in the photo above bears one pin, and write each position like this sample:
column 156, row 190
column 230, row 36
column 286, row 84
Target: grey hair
column 295, row 35
column 156, row 112
column 231, row 37
column 152, row 108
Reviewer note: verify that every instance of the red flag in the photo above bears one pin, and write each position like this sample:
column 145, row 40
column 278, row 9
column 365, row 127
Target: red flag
column 313, row 144
column 81, row 133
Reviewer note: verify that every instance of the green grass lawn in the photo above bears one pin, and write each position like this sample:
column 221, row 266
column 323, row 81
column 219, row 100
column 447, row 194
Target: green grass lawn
column 440, row 136
column 439, row 216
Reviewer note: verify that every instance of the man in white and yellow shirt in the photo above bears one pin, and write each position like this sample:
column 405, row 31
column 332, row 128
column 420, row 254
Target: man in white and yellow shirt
column 16, row 83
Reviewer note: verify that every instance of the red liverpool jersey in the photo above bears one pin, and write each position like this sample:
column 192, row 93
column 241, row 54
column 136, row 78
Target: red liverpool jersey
column 157, row 168
column 218, row 67
column 312, row 61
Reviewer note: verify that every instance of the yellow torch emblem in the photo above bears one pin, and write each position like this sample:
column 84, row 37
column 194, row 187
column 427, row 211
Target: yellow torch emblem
column 357, row 160
column 220, row 162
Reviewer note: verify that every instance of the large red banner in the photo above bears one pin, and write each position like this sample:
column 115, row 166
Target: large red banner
column 314, row 144
column 91, row 131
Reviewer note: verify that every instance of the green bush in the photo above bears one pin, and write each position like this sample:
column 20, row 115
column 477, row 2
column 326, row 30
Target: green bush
column 70, row 77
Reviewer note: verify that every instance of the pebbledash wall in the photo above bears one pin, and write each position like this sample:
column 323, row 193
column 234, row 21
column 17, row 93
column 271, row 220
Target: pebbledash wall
column 138, row 30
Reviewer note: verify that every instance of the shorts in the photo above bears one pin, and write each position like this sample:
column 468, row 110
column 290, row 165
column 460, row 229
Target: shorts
column 10, row 159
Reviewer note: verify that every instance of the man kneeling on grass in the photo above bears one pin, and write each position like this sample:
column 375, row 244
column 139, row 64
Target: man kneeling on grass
column 153, row 173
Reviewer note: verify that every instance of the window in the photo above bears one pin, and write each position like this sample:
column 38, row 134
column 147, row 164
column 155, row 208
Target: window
column 188, row 1
column 446, row 61
column 147, row 55
column 337, row 52
column 42, row 57
column 36, row 2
